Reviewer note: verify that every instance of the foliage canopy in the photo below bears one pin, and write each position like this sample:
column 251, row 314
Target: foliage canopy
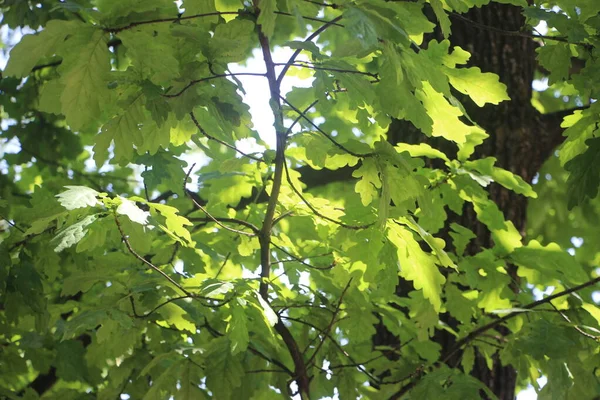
column 266, row 270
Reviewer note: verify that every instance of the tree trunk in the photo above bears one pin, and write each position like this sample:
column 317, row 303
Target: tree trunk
column 520, row 139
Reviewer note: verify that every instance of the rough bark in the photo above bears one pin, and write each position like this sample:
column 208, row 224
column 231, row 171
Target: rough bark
column 520, row 139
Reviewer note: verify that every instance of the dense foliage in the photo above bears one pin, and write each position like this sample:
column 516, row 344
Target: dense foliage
column 265, row 270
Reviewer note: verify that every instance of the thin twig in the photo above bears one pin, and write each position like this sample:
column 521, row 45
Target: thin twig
column 299, row 117
column 511, row 315
column 229, row 220
column 325, row 332
column 209, row 78
column 313, row 66
column 339, row 347
column 301, row 261
column 297, row 52
column 219, row 303
column 331, row 5
column 576, row 327
column 316, row 212
column 11, row 223
column 148, row 263
column 201, row 129
column 175, row 19
column 322, row 132
column 314, row 19
column 515, row 33
column 215, row 220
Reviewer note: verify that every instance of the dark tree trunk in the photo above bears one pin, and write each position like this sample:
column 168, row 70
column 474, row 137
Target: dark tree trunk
column 520, row 139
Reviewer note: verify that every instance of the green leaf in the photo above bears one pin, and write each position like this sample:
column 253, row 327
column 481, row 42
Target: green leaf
column 72, row 234
column 267, row 311
column 150, row 53
column 367, row 186
column 231, row 41
column 416, row 265
column 584, row 177
column 175, row 223
column 446, row 122
column 461, row 237
column 78, row 197
column 442, row 17
column 483, row 87
column 542, row 264
column 32, row 48
column 237, row 329
column 124, row 130
column 84, row 74
column 224, row 371
column 135, row 214
column 556, row 58
column 359, row 25
column 506, row 178
column 70, row 361
column 266, row 18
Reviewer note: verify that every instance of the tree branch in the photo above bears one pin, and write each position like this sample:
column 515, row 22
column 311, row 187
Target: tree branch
column 175, row 19
column 300, row 373
column 297, row 52
column 481, row 330
column 315, row 211
column 148, row 263
column 322, row 132
column 250, row 156
column 208, row 78
column 327, row 330
column 215, row 220
column 516, row 33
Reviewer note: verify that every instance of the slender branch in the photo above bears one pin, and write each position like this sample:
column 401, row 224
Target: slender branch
column 230, row 220
column 261, row 371
column 201, row 129
column 209, row 78
column 297, row 52
column 301, row 261
column 87, row 176
column 481, row 330
column 301, row 305
column 516, row 33
column 11, row 223
column 511, row 315
column 319, row 20
column 355, row 365
column 327, row 330
column 299, row 117
column 322, row 132
column 339, row 347
column 219, row 303
column 309, row 65
column 195, row 16
column 265, row 234
column 318, row 213
column 576, row 327
column 215, row 220
column 28, row 238
column 148, row 263
column 175, row 19
column 331, row 5
column 51, row 64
